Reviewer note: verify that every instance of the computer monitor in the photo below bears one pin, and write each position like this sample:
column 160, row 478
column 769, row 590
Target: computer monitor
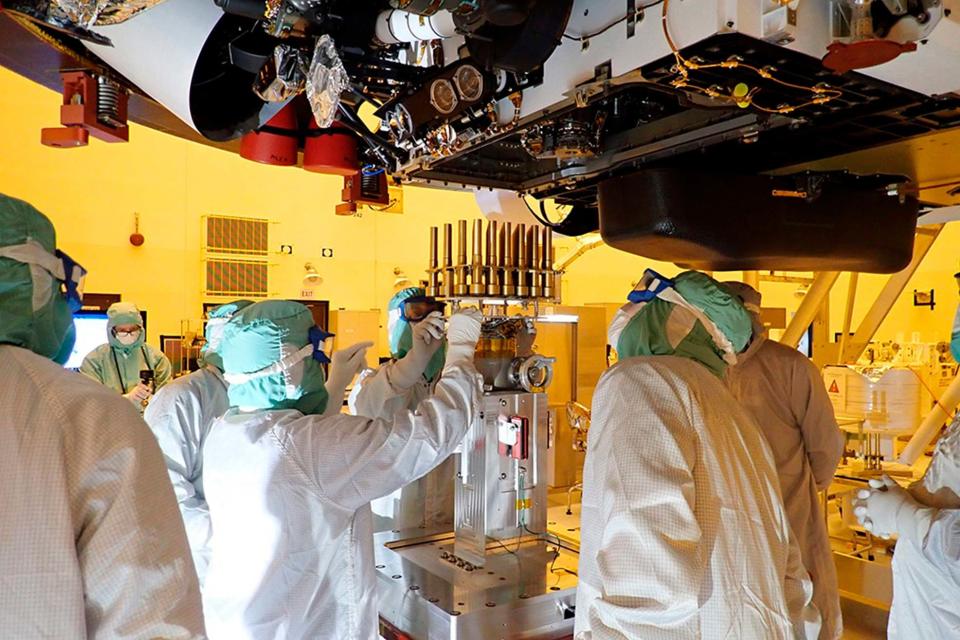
column 91, row 333
column 806, row 342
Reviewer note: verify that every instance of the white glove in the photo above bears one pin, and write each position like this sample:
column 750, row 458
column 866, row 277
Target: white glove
column 344, row 365
column 138, row 394
column 427, row 338
column 888, row 509
column 463, row 333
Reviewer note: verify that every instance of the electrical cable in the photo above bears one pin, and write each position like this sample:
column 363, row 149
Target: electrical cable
column 542, row 216
column 540, row 537
column 942, row 185
column 378, row 145
column 822, row 93
column 587, row 36
column 507, row 549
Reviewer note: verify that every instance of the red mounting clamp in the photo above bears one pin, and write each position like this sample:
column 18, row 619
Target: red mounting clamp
column 91, row 105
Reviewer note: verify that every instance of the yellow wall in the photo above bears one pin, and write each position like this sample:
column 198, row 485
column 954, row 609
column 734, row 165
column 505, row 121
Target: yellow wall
column 91, row 194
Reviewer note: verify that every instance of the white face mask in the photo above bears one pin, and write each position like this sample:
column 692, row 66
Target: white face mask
column 127, row 339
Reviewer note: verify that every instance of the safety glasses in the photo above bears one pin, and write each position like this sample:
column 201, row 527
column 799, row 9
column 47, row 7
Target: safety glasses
column 650, row 286
column 416, row 309
column 318, row 339
column 73, row 281
column 125, row 333
column 59, row 265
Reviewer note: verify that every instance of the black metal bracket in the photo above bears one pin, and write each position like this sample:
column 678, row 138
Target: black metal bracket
column 924, row 299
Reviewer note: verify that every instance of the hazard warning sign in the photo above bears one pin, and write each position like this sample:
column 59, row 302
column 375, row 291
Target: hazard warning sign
column 836, row 383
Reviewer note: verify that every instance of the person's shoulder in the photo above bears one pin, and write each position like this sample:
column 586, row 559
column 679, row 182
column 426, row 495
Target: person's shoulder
column 665, row 366
column 24, row 365
column 285, row 428
column 189, row 385
column 772, row 348
column 98, row 351
column 786, row 356
column 192, row 380
column 70, row 391
column 153, row 352
column 652, row 371
column 41, row 371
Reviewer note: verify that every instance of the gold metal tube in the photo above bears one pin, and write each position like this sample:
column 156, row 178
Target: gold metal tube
column 461, row 242
column 488, row 249
column 434, row 270
column 476, row 265
column 448, row 260
column 448, row 245
column 549, row 275
column 460, row 287
column 533, row 273
column 520, row 258
column 509, row 288
column 491, row 259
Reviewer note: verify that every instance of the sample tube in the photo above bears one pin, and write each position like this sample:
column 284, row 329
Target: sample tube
column 549, row 277
column 536, row 259
column 434, row 270
column 460, row 287
column 448, row 272
column 476, row 266
column 509, row 287
column 520, row 260
column 490, row 259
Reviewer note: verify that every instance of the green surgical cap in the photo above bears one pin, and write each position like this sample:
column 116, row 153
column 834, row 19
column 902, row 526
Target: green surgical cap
column 33, row 312
column 710, row 316
column 217, row 319
column 121, row 313
column 723, row 308
column 252, row 346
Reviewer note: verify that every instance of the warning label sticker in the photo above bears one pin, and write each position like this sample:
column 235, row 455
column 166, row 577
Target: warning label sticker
column 836, row 384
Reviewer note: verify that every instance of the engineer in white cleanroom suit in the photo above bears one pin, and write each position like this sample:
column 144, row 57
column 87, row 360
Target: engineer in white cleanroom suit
column 416, row 344
column 684, row 533
column 180, row 416
column 91, row 545
column 784, row 393
column 118, row 363
column 289, row 481
column 926, row 563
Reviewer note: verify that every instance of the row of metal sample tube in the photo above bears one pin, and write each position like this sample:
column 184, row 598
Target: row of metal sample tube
column 507, row 261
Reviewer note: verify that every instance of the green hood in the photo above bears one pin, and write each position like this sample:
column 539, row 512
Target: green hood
column 33, row 312
column 266, row 351
column 121, row 313
column 695, row 317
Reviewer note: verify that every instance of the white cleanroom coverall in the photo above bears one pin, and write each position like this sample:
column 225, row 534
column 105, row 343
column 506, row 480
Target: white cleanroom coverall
column 684, row 533
column 784, row 393
column 428, row 501
column 926, row 583
column 180, row 416
column 289, row 498
column 926, row 571
column 91, row 543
